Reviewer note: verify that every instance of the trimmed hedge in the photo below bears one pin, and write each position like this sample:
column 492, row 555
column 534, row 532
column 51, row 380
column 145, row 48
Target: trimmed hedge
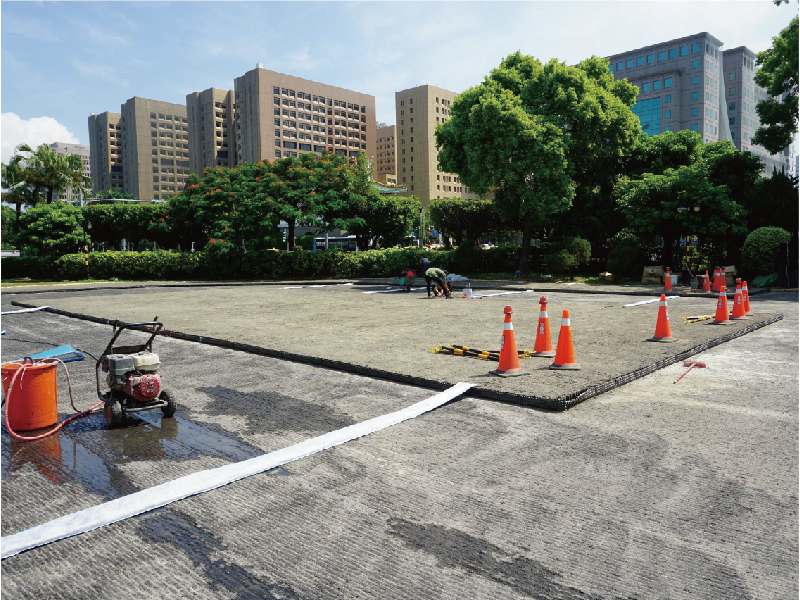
column 760, row 250
column 268, row 264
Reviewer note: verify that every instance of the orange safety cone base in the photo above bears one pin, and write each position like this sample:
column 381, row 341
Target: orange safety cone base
column 728, row 322
column 665, row 339
column 512, row 373
column 571, row 367
column 549, row 354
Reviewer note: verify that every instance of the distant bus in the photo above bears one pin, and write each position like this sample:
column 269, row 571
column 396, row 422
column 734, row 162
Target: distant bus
column 347, row 243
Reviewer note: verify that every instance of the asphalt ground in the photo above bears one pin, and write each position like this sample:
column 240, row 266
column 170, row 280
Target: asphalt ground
column 393, row 332
column 654, row 490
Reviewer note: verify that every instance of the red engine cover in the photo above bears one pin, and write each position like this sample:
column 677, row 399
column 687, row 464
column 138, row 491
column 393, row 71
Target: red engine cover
column 144, row 388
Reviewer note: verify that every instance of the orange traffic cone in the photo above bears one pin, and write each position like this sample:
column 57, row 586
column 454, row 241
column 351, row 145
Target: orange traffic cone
column 565, row 353
column 663, row 332
column 721, row 316
column 706, row 283
column 509, row 359
column 719, row 280
column 543, row 345
column 747, row 310
column 738, row 304
column 668, row 282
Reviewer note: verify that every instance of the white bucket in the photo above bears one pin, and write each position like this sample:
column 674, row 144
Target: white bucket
column 674, row 278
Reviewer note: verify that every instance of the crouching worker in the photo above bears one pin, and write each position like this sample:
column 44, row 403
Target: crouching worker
column 437, row 276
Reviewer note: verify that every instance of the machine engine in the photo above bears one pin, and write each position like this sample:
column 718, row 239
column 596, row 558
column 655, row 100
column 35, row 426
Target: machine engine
column 134, row 374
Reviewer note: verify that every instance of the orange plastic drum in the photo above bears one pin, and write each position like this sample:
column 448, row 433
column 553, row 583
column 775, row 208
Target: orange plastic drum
column 34, row 402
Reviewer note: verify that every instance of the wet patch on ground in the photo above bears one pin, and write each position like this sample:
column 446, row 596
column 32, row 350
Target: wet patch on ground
column 269, row 412
column 458, row 550
column 201, row 547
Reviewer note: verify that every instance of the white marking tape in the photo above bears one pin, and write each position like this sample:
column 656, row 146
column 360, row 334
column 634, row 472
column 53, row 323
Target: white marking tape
column 393, row 291
column 24, row 310
column 293, row 287
column 650, row 301
column 203, row 481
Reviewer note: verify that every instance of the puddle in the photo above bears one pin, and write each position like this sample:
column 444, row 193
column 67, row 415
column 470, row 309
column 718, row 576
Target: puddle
column 86, row 452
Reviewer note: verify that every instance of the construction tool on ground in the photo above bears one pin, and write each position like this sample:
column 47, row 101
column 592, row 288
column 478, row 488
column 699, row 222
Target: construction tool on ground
column 457, row 350
column 407, row 279
column 691, row 364
column 132, row 376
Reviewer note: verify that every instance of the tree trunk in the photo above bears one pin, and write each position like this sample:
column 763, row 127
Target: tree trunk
column 669, row 242
column 290, row 234
column 49, row 195
column 526, row 246
column 19, row 212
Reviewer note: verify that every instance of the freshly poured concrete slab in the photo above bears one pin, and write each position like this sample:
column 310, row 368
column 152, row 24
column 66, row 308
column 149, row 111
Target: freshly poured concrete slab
column 392, row 333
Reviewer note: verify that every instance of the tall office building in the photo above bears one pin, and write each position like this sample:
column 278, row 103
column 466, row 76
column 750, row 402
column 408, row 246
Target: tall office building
column 690, row 83
column 278, row 115
column 105, row 156
column 418, row 111
column 155, row 142
column 211, row 143
column 386, row 161
column 68, row 195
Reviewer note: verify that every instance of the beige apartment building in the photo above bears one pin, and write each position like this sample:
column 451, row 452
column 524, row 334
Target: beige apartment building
column 81, row 150
column 105, row 156
column 278, row 115
column 385, row 165
column 211, row 121
column 418, row 111
column 155, row 145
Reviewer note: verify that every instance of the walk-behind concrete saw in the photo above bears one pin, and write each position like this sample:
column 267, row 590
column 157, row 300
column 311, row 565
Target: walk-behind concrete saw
column 132, row 376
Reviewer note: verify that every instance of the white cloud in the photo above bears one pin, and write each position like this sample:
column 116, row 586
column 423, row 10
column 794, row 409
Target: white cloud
column 34, row 132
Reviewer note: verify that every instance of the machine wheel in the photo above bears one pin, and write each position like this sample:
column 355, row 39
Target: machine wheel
column 112, row 411
column 171, row 406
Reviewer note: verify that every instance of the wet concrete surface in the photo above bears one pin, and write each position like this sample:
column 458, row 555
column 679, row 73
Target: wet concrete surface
column 655, row 490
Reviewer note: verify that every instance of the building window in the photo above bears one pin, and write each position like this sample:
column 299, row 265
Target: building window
column 667, row 114
column 668, row 82
column 695, row 64
column 694, row 112
column 684, row 50
column 657, row 85
column 694, row 127
column 732, row 106
column 667, row 128
column 619, row 66
column 695, row 48
column 731, row 76
column 651, row 58
column 732, row 92
column 640, row 61
column 695, row 95
column 695, row 80
column 673, row 53
column 667, row 98
column 661, row 56
column 645, row 87
column 629, row 64
column 649, row 113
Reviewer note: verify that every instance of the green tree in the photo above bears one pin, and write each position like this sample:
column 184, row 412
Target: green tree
column 779, row 75
column 21, row 187
column 772, row 202
column 54, row 172
column 386, row 219
column 9, row 221
column 464, row 219
column 52, row 230
column 531, row 133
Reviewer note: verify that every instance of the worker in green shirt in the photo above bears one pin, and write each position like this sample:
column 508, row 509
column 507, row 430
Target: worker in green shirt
column 436, row 275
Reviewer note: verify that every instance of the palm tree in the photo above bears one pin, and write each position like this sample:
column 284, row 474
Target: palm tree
column 55, row 172
column 20, row 183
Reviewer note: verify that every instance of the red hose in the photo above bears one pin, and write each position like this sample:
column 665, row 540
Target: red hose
column 19, row 372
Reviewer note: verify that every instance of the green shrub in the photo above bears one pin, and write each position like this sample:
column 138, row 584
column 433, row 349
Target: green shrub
column 51, row 230
column 761, row 249
column 35, row 267
column 628, row 255
column 568, row 255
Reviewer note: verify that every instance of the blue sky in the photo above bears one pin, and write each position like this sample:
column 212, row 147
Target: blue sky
column 62, row 61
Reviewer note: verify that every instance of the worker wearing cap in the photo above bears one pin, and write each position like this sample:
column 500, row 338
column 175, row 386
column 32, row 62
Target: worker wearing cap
column 436, row 275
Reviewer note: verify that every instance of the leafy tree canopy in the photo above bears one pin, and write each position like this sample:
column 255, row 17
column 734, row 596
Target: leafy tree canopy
column 464, row 219
column 531, row 132
column 779, row 75
column 52, row 230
